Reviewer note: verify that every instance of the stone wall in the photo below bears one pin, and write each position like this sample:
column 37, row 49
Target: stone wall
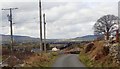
column 114, row 51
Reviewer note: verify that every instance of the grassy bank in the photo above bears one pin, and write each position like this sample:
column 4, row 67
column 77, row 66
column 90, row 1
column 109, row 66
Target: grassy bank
column 103, row 62
column 99, row 63
column 41, row 60
column 85, row 59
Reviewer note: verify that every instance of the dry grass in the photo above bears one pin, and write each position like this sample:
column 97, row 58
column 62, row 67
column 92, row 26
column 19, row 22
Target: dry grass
column 104, row 61
column 41, row 60
column 98, row 48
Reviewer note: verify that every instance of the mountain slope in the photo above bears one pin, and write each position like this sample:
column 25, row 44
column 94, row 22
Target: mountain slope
column 20, row 39
column 87, row 38
column 17, row 38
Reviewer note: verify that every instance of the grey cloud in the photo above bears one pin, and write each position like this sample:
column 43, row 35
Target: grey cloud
column 64, row 19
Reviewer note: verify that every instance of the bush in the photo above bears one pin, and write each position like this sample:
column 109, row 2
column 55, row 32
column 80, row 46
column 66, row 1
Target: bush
column 54, row 53
column 105, row 51
column 89, row 47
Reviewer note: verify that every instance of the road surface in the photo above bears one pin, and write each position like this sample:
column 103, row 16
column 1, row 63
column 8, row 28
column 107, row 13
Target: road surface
column 68, row 60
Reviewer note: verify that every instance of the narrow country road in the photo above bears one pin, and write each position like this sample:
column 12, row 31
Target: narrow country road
column 68, row 60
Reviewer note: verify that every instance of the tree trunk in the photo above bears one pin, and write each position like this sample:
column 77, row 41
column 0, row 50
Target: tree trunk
column 107, row 35
column 117, row 35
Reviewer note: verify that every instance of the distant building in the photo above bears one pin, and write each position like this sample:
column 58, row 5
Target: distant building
column 54, row 49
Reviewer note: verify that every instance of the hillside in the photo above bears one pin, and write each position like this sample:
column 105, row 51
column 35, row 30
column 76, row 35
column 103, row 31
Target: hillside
column 87, row 38
column 19, row 39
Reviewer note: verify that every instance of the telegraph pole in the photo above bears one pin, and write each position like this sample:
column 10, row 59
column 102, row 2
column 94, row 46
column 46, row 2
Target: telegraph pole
column 11, row 29
column 10, row 62
column 40, row 15
column 44, row 33
column 118, row 31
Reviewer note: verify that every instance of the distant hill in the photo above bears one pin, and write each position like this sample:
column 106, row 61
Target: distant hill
column 87, row 38
column 19, row 39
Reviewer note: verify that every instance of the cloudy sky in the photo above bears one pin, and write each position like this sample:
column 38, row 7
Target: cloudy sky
column 64, row 18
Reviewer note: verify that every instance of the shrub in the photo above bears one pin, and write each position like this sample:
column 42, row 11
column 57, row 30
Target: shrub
column 89, row 47
column 54, row 53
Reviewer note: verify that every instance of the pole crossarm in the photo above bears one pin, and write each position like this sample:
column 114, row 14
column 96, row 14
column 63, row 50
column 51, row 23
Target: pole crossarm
column 9, row 8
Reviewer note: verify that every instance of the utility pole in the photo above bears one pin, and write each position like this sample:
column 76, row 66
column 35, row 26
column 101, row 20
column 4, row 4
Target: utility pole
column 11, row 29
column 118, row 31
column 40, row 15
column 10, row 62
column 44, row 33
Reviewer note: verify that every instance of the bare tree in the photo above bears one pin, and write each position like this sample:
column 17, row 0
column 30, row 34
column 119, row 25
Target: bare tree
column 106, row 25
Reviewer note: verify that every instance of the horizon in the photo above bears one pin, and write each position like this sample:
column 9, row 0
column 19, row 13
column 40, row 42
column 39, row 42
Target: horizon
column 47, row 38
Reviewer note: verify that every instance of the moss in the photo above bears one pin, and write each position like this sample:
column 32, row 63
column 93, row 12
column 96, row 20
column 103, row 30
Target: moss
column 116, row 44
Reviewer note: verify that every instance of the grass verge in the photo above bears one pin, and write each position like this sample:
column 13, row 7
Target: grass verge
column 41, row 60
column 105, row 62
column 85, row 60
